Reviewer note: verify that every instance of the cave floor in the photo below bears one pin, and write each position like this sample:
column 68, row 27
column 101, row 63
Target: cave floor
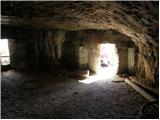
column 52, row 96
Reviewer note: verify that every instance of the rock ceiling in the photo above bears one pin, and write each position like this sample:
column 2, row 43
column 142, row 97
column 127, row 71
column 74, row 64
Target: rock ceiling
column 138, row 20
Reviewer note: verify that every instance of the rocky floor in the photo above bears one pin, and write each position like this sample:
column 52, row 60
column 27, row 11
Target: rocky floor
column 44, row 95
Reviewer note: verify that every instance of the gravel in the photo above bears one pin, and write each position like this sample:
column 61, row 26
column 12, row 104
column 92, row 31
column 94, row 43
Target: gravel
column 65, row 97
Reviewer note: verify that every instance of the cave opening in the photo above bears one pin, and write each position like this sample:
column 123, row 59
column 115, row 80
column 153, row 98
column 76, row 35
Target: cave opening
column 4, row 51
column 106, row 65
column 108, row 60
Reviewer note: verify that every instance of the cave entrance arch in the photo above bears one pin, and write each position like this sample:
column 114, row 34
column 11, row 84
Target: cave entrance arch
column 108, row 60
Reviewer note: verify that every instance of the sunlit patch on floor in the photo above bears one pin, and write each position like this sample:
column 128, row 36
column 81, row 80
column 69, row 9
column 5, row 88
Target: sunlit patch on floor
column 96, row 78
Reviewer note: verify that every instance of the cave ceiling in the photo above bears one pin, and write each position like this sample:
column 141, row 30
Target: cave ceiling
column 138, row 20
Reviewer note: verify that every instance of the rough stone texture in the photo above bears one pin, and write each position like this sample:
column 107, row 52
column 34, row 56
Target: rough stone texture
column 138, row 20
column 50, row 47
column 83, row 57
column 65, row 97
column 123, row 60
column 93, row 60
column 148, row 66
column 59, row 39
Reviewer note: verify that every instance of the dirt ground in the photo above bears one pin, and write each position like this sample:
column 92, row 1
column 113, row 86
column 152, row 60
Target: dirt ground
column 47, row 95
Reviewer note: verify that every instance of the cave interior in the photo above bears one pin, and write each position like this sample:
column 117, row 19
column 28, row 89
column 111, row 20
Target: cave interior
column 70, row 59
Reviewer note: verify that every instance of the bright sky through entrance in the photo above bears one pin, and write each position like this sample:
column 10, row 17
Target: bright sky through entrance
column 107, row 66
column 4, row 52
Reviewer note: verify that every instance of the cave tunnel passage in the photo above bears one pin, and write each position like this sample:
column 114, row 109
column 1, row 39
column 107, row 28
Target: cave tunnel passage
column 62, row 95
column 4, row 52
column 52, row 47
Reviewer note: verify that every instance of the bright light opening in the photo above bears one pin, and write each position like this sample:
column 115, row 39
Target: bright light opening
column 108, row 61
column 107, row 66
column 93, row 78
column 4, row 52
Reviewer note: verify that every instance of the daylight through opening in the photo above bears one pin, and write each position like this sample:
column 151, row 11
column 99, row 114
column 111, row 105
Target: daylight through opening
column 107, row 66
column 108, row 60
column 4, row 51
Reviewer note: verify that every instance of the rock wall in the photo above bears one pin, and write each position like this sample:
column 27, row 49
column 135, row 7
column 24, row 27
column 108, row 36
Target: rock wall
column 147, row 66
column 22, row 46
column 93, row 61
column 52, row 49
column 70, row 50
column 136, row 19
